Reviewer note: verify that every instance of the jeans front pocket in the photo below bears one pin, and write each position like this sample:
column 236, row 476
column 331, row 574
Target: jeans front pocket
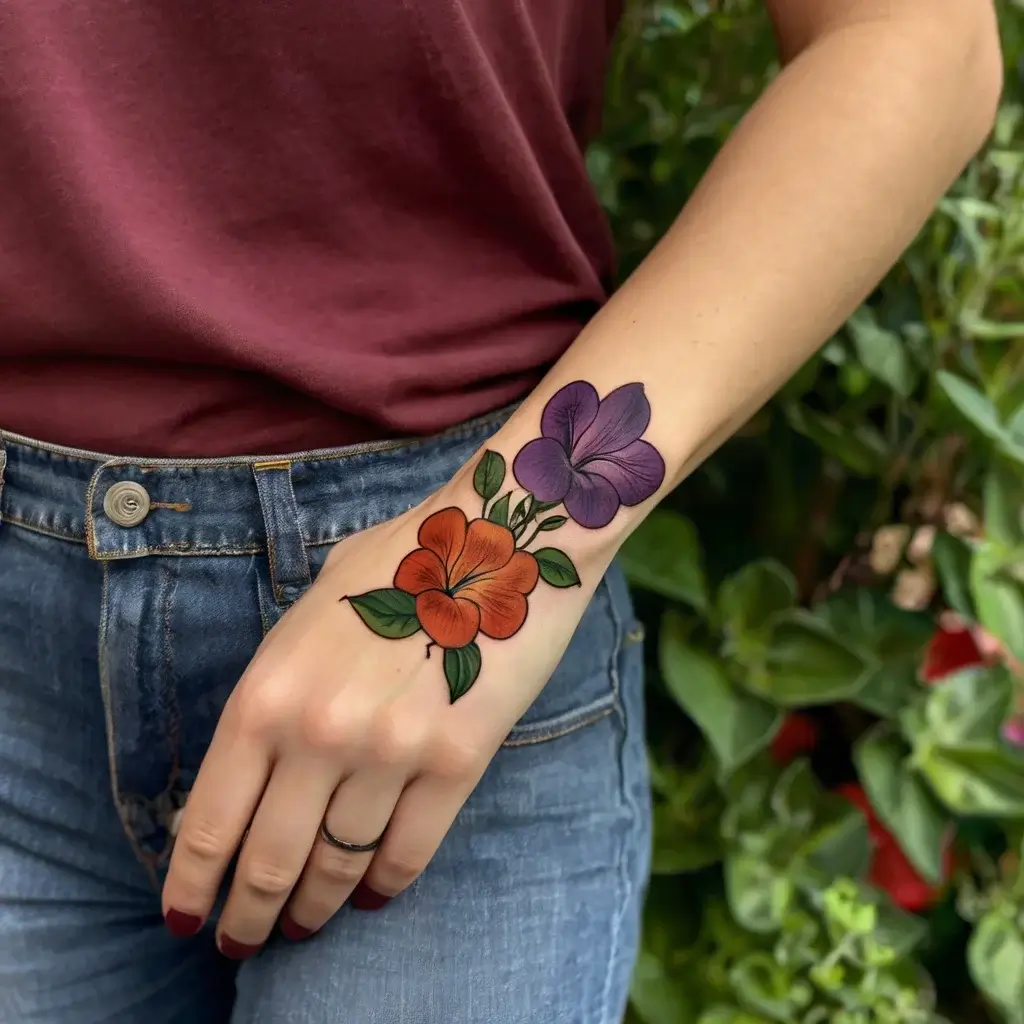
column 586, row 684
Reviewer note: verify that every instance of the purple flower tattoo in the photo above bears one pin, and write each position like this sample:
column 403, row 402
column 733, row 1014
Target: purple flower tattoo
column 591, row 457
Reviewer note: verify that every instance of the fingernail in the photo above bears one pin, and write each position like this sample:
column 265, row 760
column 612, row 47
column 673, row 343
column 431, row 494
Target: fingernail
column 365, row 898
column 235, row 950
column 181, row 925
column 292, row 930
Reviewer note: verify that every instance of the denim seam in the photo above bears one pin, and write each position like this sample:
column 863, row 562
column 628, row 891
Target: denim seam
column 34, row 528
column 171, row 683
column 302, row 585
column 545, row 735
column 108, row 714
column 3, row 466
column 260, row 600
column 623, row 868
column 576, row 718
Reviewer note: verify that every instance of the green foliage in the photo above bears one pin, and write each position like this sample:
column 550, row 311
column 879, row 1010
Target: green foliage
column 810, row 567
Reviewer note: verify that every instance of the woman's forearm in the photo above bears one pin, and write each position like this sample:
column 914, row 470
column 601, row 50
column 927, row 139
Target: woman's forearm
column 809, row 203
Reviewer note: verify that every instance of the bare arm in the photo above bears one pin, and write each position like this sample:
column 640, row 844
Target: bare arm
column 828, row 178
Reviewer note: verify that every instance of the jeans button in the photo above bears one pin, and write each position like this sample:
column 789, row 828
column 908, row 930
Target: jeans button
column 126, row 503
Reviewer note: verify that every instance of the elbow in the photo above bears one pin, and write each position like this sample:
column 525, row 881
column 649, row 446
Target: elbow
column 980, row 61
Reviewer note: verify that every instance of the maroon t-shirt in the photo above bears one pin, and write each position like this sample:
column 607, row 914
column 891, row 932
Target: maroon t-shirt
column 245, row 226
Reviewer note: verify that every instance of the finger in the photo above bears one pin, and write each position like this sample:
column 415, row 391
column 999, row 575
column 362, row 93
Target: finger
column 358, row 813
column 420, row 821
column 281, row 835
column 217, row 813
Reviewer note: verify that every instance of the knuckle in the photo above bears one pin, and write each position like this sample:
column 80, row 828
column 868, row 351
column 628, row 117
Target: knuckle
column 455, row 758
column 398, row 870
column 341, row 869
column 267, row 881
column 328, row 728
column 262, row 707
column 204, row 843
column 392, row 740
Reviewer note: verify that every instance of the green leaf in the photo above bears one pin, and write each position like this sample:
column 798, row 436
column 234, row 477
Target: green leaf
column 968, row 707
column 489, row 474
column 766, row 986
column 904, row 804
column 681, row 847
column 461, row 667
column 657, row 995
column 896, row 639
column 806, row 663
column 995, row 958
column 552, row 523
column 759, row 896
column 556, row 568
column 952, row 558
column 1004, row 504
column 389, row 613
column 737, row 725
column 986, row 783
column 840, row 846
column 883, row 353
column 861, row 449
column 998, row 597
column 499, row 510
column 663, row 555
column 973, row 405
column 749, row 598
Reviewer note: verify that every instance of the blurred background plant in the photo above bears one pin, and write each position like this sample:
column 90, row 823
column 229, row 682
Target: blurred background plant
column 834, row 603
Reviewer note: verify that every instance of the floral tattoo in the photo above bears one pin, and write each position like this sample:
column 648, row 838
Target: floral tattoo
column 472, row 577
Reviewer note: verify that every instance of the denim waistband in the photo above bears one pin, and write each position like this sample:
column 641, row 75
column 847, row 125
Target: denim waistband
column 219, row 506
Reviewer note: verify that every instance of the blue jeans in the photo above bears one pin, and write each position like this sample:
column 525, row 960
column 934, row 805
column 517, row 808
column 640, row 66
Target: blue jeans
column 122, row 631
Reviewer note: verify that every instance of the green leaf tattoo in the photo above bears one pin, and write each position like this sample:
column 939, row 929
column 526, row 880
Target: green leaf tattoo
column 489, row 475
column 556, row 568
column 461, row 667
column 499, row 510
column 553, row 522
column 389, row 613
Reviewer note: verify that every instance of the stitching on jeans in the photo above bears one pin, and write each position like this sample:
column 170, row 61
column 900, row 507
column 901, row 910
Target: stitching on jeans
column 625, row 884
column 529, row 741
column 303, row 584
column 70, row 538
column 170, row 688
column 556, row 726
column 261, row 599
column 3, row 466
column 108, row 714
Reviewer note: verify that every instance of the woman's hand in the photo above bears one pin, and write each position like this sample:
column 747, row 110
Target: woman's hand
column 337, row 738
column 332, row 724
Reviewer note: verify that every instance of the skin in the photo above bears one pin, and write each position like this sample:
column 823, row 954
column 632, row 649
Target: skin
column 815, row 195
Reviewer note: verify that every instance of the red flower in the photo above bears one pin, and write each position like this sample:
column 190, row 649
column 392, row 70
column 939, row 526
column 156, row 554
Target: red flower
column 949, row 650
column 798, row 735
column 467, row 578
column 890, row 869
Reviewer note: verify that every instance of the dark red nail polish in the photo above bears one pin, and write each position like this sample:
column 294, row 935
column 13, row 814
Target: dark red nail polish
column 290, row 929
column 181, row 925
column 364, row 898
column 235, row 950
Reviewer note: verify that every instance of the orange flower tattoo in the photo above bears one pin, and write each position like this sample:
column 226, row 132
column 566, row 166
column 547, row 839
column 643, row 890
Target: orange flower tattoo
column 467, row 578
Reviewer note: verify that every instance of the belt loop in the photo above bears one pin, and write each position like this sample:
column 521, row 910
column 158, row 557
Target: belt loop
column 286, row 553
